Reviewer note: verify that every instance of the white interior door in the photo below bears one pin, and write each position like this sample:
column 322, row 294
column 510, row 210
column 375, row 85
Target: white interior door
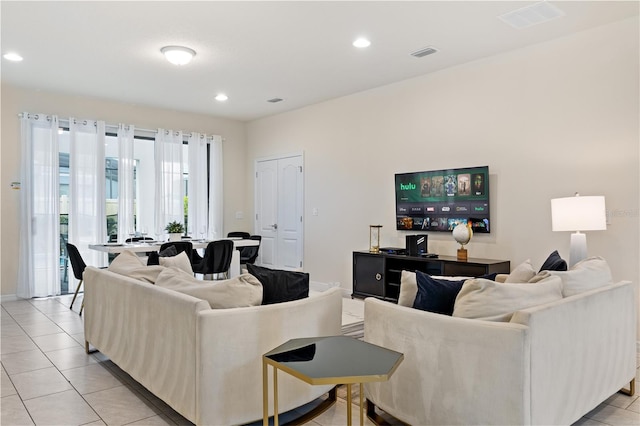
column 279, row 212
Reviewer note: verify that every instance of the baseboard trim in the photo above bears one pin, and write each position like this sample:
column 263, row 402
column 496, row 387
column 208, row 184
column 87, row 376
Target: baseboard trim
column 8, row 298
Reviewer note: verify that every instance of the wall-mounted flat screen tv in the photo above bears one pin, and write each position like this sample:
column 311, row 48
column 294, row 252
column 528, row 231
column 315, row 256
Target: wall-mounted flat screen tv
column 438, row 200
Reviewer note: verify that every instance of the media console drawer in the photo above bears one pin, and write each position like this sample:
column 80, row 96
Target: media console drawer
column 378, row 275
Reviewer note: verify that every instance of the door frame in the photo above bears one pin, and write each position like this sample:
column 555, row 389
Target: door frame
column 302, row 196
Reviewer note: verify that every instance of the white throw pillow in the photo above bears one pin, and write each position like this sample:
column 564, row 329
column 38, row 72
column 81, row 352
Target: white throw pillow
column 243, row 290
column 408, row 289
column 585, row 275
column 180, row 261
column 485, row 299
column 521, row 273
column 129, row 264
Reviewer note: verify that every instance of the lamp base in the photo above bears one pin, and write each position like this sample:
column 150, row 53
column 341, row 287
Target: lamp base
column 578, row 248
column 462, row 254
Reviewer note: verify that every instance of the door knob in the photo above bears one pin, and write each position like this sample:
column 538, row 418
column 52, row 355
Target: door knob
column 275, row 226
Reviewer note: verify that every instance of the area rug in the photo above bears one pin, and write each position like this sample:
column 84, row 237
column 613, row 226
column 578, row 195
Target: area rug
column 355, row 330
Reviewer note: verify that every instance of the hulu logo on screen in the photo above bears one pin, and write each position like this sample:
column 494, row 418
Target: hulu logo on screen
column 407, row 187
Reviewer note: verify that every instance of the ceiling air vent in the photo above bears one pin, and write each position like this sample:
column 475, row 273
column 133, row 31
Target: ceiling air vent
column 534, row 14
column 424, row 52
column 274, row 100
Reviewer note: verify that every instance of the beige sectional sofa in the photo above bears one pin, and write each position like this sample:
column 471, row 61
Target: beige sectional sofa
column 205, row 363
column 546, row 364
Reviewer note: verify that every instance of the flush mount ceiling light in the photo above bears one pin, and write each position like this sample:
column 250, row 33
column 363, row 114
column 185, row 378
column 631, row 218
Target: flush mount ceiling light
column 12, row 56
column 361, row 43
column 178, row 55
column 221, row 97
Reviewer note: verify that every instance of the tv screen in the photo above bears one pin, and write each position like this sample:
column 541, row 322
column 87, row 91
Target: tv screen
column 438, row 200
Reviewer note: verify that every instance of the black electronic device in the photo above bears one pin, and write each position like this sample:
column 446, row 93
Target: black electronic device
column 393, row 250
column 416, row 244
column 438, row 200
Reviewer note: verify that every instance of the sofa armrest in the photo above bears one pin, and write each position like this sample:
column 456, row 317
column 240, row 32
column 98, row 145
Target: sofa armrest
column 147, row 331
column 583, row 350
column 455, row 370
column 231, row 343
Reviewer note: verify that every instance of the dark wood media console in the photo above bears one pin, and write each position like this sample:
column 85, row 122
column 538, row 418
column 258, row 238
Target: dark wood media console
column 378, row 275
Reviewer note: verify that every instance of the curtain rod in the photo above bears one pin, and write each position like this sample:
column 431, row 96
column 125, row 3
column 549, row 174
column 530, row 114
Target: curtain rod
column 143, row 133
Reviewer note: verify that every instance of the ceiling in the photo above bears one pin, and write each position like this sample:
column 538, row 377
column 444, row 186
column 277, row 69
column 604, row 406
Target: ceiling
column 299, row 51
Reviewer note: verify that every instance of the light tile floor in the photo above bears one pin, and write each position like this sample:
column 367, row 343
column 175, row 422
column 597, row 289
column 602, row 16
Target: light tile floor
column 47, row 379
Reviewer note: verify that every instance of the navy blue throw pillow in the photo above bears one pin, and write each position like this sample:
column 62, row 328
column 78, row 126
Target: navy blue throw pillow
column 554, row 263
column 438, row 296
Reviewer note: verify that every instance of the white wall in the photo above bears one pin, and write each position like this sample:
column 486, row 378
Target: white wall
column 549, row 120
column 16, row 100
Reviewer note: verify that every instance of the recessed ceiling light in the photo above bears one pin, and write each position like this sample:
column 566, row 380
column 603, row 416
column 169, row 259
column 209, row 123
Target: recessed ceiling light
column 178, row 55
column 12, row 56
column 362, row 42
column 221, row 97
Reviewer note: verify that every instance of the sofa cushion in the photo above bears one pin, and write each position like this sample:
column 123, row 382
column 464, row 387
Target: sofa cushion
column 409, row 286
column 521, row 273
column 279, row 285
column 436, row 295
column 241, row 291
column 585, row 275
column 154, row 256
column 554, row 263
column 129, row 264
column 180, row 261
column 485, row 299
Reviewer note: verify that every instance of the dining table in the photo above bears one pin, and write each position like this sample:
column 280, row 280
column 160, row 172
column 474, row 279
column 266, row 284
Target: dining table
column 152, row 245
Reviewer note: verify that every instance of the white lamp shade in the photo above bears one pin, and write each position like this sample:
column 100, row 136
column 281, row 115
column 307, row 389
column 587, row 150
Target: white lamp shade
column 578, row 214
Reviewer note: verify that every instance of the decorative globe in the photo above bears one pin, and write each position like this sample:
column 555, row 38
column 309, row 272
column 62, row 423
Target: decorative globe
column 462, row 234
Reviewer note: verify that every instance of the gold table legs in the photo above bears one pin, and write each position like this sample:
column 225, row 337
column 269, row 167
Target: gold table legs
column 323, row 407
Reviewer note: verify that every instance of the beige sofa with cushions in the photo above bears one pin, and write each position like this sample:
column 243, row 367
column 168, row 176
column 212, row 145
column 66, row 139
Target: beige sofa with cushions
column 205, row 363
column 549, row 364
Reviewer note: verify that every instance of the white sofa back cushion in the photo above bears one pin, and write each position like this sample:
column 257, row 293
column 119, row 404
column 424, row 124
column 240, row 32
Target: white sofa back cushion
column 180, row 261
column 489, row 300
column 521, row 273
column 238, row 292
column 130, row 265
column 588, row 274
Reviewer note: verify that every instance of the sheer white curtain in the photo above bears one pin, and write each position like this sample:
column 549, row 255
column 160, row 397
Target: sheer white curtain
column 126, row 190
column 197, row 187
column 39, row 263
column 215, row 189
column 169, row 200
column 87, row 216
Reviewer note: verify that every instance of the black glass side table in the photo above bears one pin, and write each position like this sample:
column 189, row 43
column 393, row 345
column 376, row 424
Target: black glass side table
column 330, row 360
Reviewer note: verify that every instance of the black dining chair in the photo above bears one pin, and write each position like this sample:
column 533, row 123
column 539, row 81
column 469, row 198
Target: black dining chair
column 186, row 246
column 78, row 266
column 238, row 234
column 216, row 259
column 249, row 254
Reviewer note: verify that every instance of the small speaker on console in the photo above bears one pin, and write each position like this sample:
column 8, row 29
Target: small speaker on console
column 416, row 244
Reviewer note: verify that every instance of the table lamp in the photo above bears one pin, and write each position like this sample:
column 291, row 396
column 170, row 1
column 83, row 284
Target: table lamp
column 578, row 214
